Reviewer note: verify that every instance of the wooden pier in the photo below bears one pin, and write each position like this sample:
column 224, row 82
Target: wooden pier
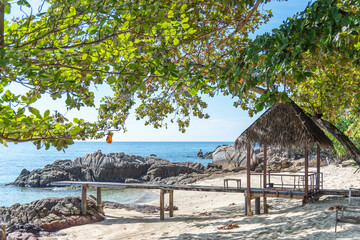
column 169, row 189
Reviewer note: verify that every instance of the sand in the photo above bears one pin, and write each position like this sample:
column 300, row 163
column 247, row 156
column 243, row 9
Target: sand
column 201, row 214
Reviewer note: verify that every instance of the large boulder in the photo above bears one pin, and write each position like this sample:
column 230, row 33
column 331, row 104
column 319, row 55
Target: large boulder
column 112, row 167
column 230, row 158
column 48, row 215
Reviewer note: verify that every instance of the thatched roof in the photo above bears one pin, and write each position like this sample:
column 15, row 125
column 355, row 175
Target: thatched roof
column 284, row 125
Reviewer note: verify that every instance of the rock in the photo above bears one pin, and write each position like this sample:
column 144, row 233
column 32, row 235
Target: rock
column 200, row 154
column 48, row 214
column 112, row 167
column 229, row 157
column 21, row 236
column 131, row 180
column 212, row 165
column 153, row 155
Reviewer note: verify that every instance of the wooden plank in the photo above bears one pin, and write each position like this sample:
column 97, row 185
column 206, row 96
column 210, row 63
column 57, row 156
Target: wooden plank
column 98, row 196
column 330, row 192
column 83, row 200
column 162, row 207
column 150, row 186
column 280, row 195
column 171, row 203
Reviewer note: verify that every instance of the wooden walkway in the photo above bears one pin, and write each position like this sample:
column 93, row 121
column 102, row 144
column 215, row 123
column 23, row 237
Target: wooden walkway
column 165, row 188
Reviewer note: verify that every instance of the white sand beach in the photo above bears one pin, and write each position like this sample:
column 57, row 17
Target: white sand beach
column 201, row 214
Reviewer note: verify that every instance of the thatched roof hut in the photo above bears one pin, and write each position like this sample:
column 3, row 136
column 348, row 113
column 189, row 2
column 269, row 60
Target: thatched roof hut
column 284, row 125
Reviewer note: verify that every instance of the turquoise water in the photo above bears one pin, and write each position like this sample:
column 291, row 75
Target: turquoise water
column 15, row 157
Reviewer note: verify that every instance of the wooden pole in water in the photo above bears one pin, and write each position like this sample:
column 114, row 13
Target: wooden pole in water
column 306, row 190
column 318, row 166
column 248, row 191
column 162, row 208
column 83, row 199
column 171, row 203
column 265, row 172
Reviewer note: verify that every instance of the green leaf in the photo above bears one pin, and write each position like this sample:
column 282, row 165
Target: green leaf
column 111, row 79
column 193, row 92
column 35, row 112
column 185, row 26
column 125, row 26
column 170, row 14
column 7, row 8
column 176, row 41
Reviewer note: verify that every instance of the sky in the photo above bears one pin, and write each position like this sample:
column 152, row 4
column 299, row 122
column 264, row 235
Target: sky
column 226, row 122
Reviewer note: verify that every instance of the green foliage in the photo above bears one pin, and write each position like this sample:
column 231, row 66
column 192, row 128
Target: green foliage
column 163, row 53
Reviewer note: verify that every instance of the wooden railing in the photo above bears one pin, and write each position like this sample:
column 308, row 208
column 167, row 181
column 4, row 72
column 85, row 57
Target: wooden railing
column 291, row 181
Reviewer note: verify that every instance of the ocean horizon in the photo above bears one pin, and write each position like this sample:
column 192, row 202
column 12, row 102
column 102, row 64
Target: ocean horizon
column 16, row 157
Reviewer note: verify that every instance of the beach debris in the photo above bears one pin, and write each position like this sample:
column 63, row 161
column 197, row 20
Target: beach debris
column 335, row 207
column 228, row 226
column 232, row 204
column 205, row 214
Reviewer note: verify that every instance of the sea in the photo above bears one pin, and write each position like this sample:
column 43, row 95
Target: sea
column 16, row 157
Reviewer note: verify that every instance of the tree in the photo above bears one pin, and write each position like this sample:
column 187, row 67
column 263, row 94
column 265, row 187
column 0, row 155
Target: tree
column 164, row 53
column 312, row 58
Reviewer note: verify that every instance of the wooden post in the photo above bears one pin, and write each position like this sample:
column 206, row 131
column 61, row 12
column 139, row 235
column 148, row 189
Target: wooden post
column 98, row 196
column 83, row 200
column 248, row 191
column 171, row 203
column 306, row 190
column 257, row 205
column 266, row 210
column 162, row 208
column 318, row 166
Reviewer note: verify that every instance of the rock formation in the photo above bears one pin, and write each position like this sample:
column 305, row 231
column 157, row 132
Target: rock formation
column 47, row 215
column 112, row 167
column 278, row 159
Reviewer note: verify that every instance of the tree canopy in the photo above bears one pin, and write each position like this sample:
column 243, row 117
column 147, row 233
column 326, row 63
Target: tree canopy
column 166, row 55
column 313, row 58
column 163, row 53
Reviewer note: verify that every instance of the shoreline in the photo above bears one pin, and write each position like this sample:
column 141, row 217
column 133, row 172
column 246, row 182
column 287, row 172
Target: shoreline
column 202, row 215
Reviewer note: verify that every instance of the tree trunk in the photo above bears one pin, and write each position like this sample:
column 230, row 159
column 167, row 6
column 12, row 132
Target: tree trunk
column 341, row 137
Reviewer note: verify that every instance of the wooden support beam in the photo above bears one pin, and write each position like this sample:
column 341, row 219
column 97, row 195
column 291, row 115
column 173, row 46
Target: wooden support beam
column 257, row 205
column 171, row 203
column 306, row 190
column 83, row 199
column 318, row 166
column 98, row 196
column 162, row 207
column 266, row 210
column 248, row 189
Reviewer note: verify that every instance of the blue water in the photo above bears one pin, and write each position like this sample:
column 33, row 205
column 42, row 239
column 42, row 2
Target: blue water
column 15, row 157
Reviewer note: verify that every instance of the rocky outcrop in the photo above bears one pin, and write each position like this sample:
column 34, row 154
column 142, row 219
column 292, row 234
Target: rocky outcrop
column 112, row 167
column 278, row 159
column 47, row 215
column 230, row 158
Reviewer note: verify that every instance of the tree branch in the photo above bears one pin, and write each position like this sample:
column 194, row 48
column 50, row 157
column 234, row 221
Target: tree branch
column 241, row 23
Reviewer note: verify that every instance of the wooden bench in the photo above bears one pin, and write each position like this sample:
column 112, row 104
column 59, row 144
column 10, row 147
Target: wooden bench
column 226, row 182
column 347, row 215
